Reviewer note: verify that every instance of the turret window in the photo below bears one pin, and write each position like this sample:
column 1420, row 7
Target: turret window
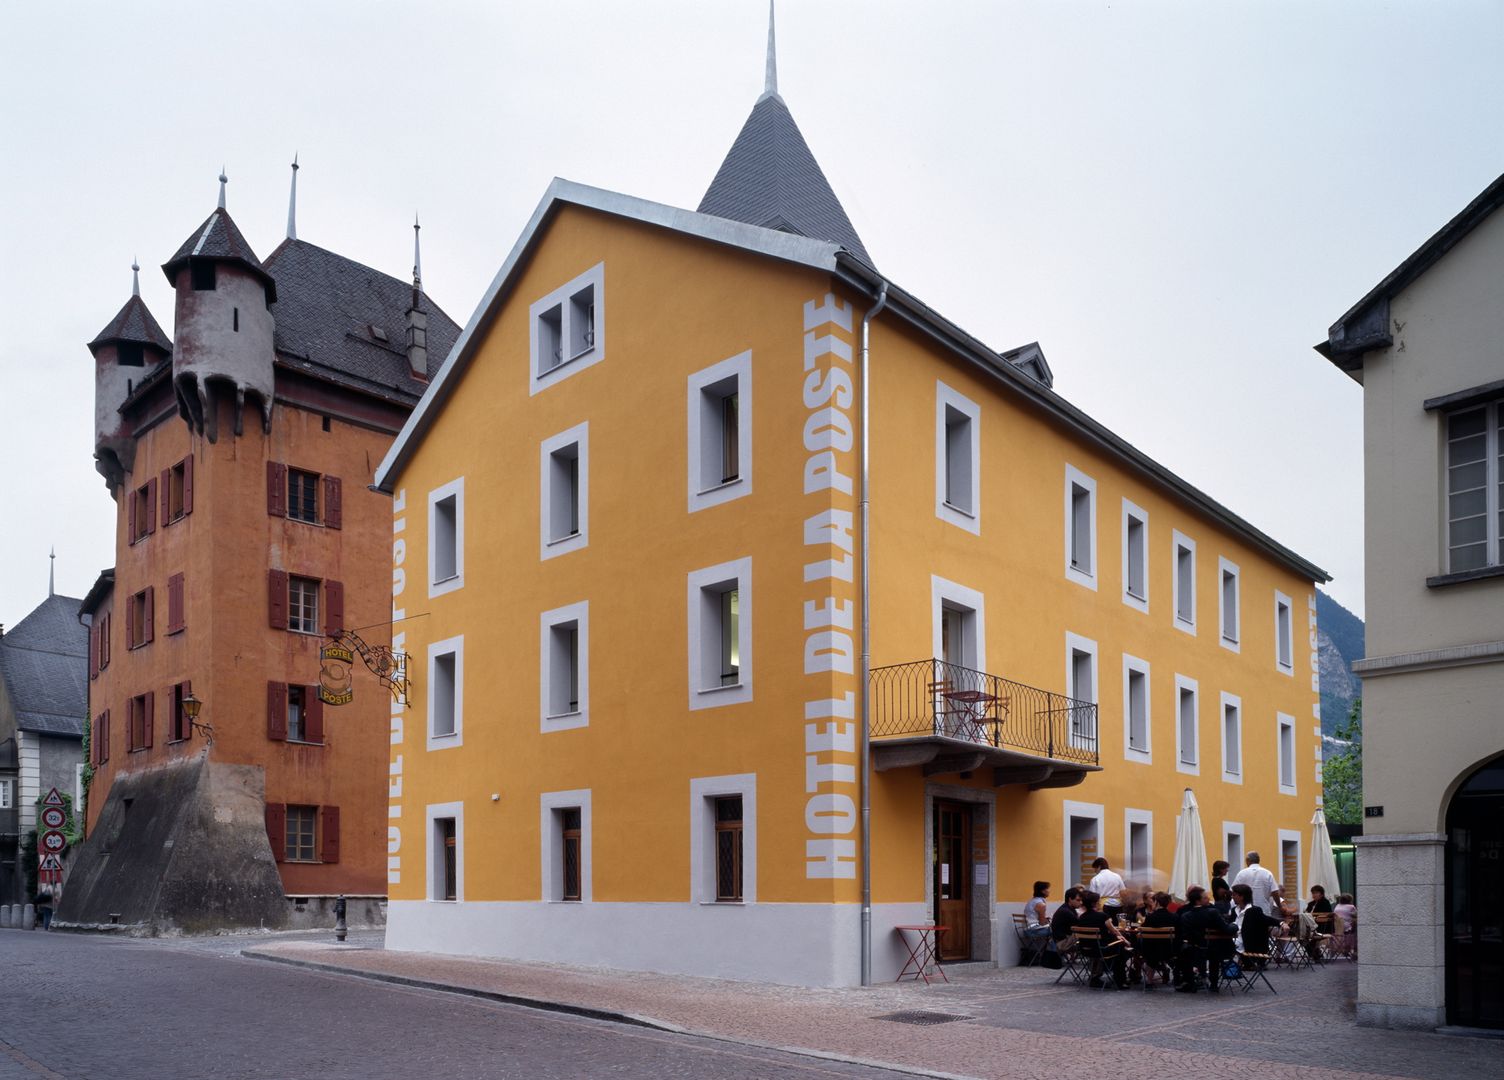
column 202, row 273
column 130, row 354
column 236, row 317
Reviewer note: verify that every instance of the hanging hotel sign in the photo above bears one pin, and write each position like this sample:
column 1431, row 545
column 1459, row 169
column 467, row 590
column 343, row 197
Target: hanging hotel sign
column 336, row 684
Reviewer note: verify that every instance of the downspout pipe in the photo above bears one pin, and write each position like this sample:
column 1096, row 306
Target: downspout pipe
column 865, row 760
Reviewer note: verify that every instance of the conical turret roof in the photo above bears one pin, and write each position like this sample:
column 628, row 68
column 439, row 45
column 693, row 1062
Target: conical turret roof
column 133, row 323
column 770, row 178
column 220, row 239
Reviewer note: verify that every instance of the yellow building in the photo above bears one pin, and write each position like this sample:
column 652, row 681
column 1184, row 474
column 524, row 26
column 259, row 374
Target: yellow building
column 629, row 575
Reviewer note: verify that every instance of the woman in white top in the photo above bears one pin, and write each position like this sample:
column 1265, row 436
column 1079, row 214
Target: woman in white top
column 1036, row 913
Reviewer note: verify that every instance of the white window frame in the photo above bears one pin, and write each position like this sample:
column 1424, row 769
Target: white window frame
column 449, row 646
column 701, row 496
column 1178, row 541
column 1284, row 666
column 541, row 377
column 1134, row 665
column 705, row 691
column 970, row 518
column 1074, row 644
column 1229, row 830
column 1234, row 702
column 1132, row 817
column 1285, row 722
column 579, row 614
column 1287, row 836
column 943, row 592
column 7, row 796
column 1069, row 808
column 1075, row 478
column 432, row 813
column 1182, row 683
column 550, row 546
column 1493, row 450
column 1225, row 568
column 1132, row 511
column 456, row 490
column 703, row 791
column 551, row 845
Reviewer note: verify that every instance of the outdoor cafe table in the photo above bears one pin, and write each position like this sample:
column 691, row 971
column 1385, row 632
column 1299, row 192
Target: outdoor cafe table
column 923, row 950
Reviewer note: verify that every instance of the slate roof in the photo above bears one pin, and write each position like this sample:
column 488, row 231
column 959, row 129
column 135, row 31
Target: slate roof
column 326, row 306
column 771, row 179
column 133, row 323
column 221, row 239
column 45, row 664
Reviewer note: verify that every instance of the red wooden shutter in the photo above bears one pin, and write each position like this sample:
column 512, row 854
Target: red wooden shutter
column 188, row 485
column 130, row 624
column 329, row 852
column 148, row 620
column 334, row 511
column 93, row 652
column 175, row 603
column 183, row 728
column 166, row 489
column 104, row 642
column 151, row 505
column 334, row 607
column 276, row 489
column 94, row 741
column 276, row 829
column 313, row 715
column 148, row 718
column 108, row 735
column 276, row 711
column 276, row 595
column 131, row 513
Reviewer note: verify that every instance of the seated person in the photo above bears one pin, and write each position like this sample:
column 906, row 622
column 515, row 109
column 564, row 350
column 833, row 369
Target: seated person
column 1254, row 927
column 1318, row 904
column 1345, row 923
column 1036, row 913
column 1063, row 922
column 1222, row 899
column 1156, row 956
column 1198, row 917
column 1114, row 947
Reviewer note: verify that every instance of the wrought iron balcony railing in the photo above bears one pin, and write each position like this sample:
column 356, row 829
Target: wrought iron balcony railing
column 932, row 697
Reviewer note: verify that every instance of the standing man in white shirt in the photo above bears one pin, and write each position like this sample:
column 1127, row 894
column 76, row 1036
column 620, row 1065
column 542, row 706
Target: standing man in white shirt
column 1109, row 886
column 1266, row 891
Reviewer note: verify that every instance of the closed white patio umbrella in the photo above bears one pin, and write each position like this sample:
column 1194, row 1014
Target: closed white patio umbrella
column 1322, row 868
column 1190, row 866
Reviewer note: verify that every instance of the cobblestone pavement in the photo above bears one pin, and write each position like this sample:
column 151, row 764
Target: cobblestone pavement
column 1016, row 1023
column 75, row 1007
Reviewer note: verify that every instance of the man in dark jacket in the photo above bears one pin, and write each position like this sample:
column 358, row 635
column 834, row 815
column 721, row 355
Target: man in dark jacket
column 1196, row 919
column 1063, row 922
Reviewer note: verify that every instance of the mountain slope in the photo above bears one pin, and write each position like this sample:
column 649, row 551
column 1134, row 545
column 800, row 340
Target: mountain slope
column 1339, row 641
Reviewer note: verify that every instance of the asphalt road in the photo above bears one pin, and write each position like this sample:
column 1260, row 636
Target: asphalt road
column 75, row 1007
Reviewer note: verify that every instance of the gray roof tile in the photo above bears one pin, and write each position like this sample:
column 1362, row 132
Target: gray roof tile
column 221, row 239
column 45, row 664
column 133, row 322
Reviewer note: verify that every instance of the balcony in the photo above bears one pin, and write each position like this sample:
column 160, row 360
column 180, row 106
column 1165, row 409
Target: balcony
column 949, row 719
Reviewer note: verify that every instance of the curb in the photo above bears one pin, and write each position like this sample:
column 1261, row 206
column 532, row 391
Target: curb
column 591, row 1013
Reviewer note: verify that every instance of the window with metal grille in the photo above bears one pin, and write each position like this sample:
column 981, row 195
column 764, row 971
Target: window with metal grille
column 728, row 848
column 303, row 605
column 450, row 882
column 300, row 834
column 569, row 824
column 1475, row 488
column 303, row 496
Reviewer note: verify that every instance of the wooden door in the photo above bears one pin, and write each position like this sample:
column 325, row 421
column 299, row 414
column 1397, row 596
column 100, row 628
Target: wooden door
column 953, row 878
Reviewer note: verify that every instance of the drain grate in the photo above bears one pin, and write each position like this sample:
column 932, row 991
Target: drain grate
column 921, row 1017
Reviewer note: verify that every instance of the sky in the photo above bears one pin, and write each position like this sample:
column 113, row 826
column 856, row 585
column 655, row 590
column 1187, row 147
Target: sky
column 1175, row 199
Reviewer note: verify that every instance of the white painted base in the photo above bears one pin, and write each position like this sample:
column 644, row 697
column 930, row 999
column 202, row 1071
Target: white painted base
column 795, row 944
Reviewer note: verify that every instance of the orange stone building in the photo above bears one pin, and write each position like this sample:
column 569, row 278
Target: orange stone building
column 239, row 457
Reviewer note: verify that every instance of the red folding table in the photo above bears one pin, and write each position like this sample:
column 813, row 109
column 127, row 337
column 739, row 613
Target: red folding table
column 922, row 951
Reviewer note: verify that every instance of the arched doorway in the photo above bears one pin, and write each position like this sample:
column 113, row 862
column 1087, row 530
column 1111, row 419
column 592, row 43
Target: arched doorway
column 1475, row 915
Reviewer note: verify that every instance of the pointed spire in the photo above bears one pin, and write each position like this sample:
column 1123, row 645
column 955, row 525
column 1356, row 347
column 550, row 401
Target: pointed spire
column 417, row 259
column 770, row 79
column 51, row 570
column 292, row 202
column 223, row 180
column 135, row 277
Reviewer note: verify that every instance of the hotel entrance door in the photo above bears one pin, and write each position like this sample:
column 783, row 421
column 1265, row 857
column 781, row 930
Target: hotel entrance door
column 952, row 882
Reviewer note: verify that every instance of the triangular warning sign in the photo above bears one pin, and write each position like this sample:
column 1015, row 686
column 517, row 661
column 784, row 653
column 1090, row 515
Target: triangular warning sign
column 50, row 862
column 53, row 799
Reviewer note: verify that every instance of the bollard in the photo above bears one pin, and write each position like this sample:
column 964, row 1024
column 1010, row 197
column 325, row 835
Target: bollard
column 28, row 917
column 340, row 929
column 4, row 916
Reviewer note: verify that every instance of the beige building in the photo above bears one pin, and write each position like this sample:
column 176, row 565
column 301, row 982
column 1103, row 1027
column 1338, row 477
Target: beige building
column 1427, row 345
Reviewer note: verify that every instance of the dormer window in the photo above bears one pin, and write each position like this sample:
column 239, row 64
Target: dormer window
column 130, row 354
column 202, row 273
column 378, row 334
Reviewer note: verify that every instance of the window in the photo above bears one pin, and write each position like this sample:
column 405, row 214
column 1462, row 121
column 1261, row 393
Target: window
column 294, row 714
column 303, row 496
column 565, row 828
column 309, row 497
column 1185, row 583
column 564, row 482
column 959, row 627
column 1080, row 528
column 130, row 354
column 1475, row 488
column 1289, row 864
column 1187, row 734
column 104, row 640
column 723, row 839
column 1227, row 603
column 720, row 429
column 176, row 619
column 1286, row 729
column 1232, row 738
column 295, row 706
column 565, row 669
column 178, row 727
column 446, row 680
column 1284, row 634
column 202, row 273
column 177, row 491
column 99, row 741
column 728, row 848
column 1232, row 844
column 446, row 851
column 140, row 618
column 1084, row 839
column 139, row 716
column 1135, row 556
column 6, row 798
column 1081, row 681
column 957, row 459
column 1136, row 732
column 300, row 834
column 142, row 510
column 720, row 634
column 303, row 605
column 446, row 537
column 1138, row 830
column 567, row 331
